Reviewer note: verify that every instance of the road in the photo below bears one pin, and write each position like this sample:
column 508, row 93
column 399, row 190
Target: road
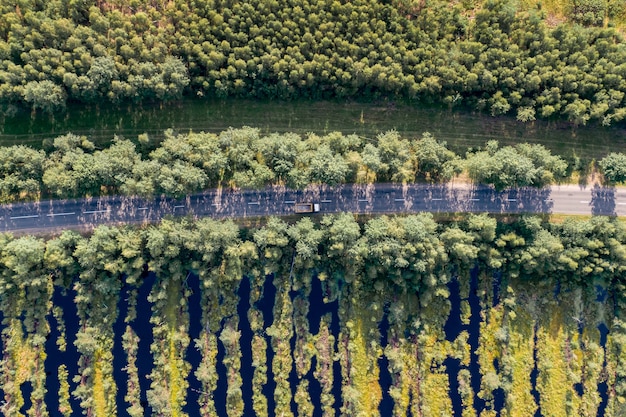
column 51, row 215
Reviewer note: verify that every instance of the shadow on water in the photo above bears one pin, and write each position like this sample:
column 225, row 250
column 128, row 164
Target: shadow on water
column 386, row 404
column 54, row 357
column 601, row 294
column 498, row 400
column 293, row 374
column 193, row 355
column 454, row 325
column 603, row 387
column 534, row 374
column 143, row 328
column 317, row 309
column 222, row 381
column 474, row 330
column 498, row 393
column 452, row 328
column 245, row 343
column 65, row 300
column 315, row 389
column 453, row 366
column 27, row 389
column 266, row 306
column 119, row 355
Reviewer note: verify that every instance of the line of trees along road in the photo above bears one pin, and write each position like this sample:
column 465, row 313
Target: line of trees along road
column 490, row 56
column 397, row 257
column 242, row 158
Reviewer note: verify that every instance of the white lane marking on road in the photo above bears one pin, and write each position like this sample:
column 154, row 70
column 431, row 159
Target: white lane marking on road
column 436, row 199
column 258, row 203
column 60, row 214
column 178, row 207
column 621, row 204
column 95, row 211
column 547, row 200
column 474, row 199
column 32, row 216
column 326, row 201
column 584, row 202
column 216, row 204
column 142, row 208
column 398, row 199
column 363, row 200
column 290, row 202
column 511, row 199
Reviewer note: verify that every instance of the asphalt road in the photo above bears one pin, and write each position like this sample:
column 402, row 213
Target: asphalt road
column 50, row 215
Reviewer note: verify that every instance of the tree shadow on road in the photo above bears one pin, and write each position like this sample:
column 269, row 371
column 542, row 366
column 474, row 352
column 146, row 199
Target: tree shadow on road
column 531, row 200
column 603, row 201
column 514, row 200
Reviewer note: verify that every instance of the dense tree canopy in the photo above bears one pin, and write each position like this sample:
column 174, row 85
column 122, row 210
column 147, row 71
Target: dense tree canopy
column 397, row 266
column 241, row 158
column 515, row 166
column 613, row 167
column 488, row 55
column 184, row 163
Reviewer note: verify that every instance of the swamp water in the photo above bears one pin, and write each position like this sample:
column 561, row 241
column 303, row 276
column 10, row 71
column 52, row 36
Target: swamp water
column 472, row 293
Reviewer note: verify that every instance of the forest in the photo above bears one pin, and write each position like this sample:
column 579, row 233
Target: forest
column 498, row 56
column 335, row 314
column 466, row 315
column 184, row 163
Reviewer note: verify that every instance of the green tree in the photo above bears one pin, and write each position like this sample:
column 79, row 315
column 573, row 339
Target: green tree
column 395, row 156
column 272, row 240
column 175, row 78
column 102, row 73
column 434, row 160
column 328, row 168
column 613, row 167
column 45, row 95
column 21, row 171
column 522, row 165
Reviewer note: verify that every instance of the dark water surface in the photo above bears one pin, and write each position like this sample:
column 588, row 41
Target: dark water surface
column 193, row 355
column 55, row 357
column 603, row 388
column 245, row 341
column 474, row 326
column 386, row 403
column 460, row 128
column 53, row 360
column 119, row 355
column 317, row 309
column 453, row 327
column 266, row 306
column 142, row 327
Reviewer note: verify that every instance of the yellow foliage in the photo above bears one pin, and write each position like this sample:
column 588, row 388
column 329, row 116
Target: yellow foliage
column 435, row 385
column 489, row 348
column 365, row 370
column 176, row 379
column 520, row 402
column 99, row 397
column 23, row 355
column 557, row 358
